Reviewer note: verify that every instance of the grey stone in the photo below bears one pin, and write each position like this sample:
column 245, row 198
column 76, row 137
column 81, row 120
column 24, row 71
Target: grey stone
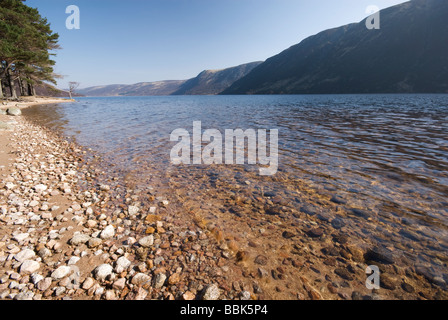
column 261, row 260
column 79, row 239
column 99, row 291
column 73, row 260
column 24, row 296
column 35, row 278
column 4, row 294
column 122, row 264
column 94, row 242
column 60, row 272
column 25, row 254
column 263, row 273
column 14, row 276
column 140, row 279
column 159, row 280
column 380, row 254
column 102, row 271
column 337, row 223
column 14, row 111
column 245, row 295
column 40, row 188
column 141, row 294
column 338, row 199
column 104, row 187
column 108, row 232
column 309, row 210
column 59, row 290
column 21, row 236
column 44, row 252
column 343, row 273
column 120, row 284
column 211, row 292
column 361, row 213
column 88, row 283
column 29, row 266
column 44, row 284
column 147, row 241
column 110, row 295
column 133, row 210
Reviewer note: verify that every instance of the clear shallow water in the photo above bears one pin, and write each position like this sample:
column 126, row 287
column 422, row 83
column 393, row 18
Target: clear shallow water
column 386, row 154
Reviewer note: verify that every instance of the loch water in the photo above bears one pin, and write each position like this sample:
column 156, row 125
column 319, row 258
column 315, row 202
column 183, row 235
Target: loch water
column 381, row 160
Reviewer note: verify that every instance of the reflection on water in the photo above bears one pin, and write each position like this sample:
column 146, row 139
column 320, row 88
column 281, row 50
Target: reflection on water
column 385, row 155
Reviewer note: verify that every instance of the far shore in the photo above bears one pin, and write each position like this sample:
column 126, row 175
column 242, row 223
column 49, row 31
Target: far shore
column 25, row 102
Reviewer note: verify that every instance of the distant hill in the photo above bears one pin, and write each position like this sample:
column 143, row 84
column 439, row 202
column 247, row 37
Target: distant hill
column 208, row 82
column 211, row 82
column 408, row 54
column 158, row 88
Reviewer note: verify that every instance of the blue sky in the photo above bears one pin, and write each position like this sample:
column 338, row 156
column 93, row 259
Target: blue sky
column 148, row 40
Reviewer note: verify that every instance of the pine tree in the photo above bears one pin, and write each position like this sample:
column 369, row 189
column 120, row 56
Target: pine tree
column 26, row 40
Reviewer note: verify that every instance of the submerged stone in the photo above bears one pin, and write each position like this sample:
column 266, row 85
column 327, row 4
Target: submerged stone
column 380, row 254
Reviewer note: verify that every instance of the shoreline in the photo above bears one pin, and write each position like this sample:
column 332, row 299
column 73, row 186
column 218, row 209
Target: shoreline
column 60, row 215
column 59, row 240
column 26, row 102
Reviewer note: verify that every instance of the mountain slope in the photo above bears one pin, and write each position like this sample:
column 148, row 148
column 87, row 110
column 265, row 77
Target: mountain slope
column 408, row 54
column 211, row 82
column 208, row 82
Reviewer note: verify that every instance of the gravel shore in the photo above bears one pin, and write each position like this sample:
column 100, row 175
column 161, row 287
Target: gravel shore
column 59, row 240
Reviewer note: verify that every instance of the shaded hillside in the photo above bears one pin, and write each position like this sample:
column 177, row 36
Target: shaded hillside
column 211, row 82
column 46, row 90
column 408, row 54
column 208, row 82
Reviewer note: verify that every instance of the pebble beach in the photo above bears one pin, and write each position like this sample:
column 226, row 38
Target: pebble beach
column 61, row 241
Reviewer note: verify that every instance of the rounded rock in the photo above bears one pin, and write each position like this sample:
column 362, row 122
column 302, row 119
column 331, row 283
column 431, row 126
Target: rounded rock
column 25, row 254
column 133, row 210
column 102, row 271
column 60, row 272
column 29, row 266
column 140, row 279
column 147, row 241
column 88, row 283
column 44, row 284
column 108, row 232
column 159, row 280
column 122, row 264
column 94, row 242
column 13, row 111
column 79, row 239
column 380, row 254
column 211, row 292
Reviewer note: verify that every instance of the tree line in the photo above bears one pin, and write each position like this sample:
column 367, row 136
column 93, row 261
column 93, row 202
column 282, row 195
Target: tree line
column 26, row 45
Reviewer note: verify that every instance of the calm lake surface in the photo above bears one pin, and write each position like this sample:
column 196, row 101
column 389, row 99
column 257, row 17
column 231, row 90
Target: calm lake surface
column 386, row 155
